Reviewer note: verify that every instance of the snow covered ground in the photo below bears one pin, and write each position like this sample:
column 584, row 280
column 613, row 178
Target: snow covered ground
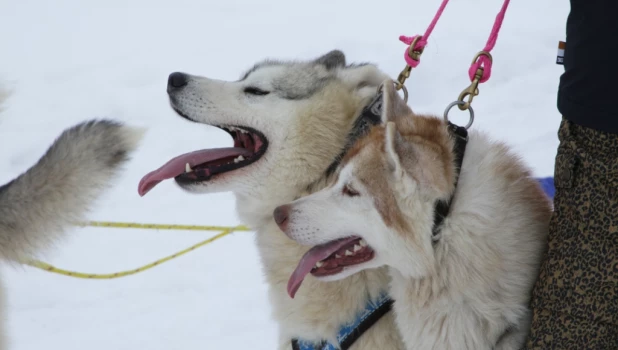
column 71, row 60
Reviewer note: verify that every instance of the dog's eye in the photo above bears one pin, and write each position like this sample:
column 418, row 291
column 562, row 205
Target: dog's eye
column 255, row 91
column 349, row 191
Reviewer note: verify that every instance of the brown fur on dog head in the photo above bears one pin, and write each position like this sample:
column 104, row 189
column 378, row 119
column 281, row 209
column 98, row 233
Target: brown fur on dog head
column 416, row 145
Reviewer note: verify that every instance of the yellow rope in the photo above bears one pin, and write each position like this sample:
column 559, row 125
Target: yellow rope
column 162, row 226
column 225, row 231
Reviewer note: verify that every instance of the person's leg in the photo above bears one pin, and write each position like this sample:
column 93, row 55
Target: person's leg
column 575, row 299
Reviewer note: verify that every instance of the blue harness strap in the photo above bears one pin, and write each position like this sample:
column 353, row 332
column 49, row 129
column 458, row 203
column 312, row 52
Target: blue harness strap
column 349, row 333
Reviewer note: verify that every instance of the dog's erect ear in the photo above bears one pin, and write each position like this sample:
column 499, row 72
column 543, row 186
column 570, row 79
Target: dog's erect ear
column 416, row 161
column 331, row 60
column 393, row 106
column 391, row 139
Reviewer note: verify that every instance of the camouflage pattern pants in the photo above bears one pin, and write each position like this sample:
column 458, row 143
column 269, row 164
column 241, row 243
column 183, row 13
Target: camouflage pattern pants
column 575, row 299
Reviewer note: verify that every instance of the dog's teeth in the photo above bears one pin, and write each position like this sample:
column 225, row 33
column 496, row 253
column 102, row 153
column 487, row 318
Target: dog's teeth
column 357, row 248
column 319, row 264
column 363, row 243
column 188, row 168
column 337, row 256
column 239, row 159
column 348, row 253
column 244, row 131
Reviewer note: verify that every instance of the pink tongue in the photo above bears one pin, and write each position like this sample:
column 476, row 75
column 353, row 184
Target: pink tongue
column 177, row 165
column 308, row 261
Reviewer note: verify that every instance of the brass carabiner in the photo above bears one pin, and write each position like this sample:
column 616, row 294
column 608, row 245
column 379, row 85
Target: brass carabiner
column 413, row 54
column 483, row 53
column 405, row 74
column 470, row 91
column 473, row 89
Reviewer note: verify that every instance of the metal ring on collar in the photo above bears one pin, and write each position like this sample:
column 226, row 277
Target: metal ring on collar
column 453, row 104
column 405, row 92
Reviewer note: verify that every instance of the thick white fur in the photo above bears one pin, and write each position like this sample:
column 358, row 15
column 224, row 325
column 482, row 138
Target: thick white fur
column 471, row 289
column 305, row 135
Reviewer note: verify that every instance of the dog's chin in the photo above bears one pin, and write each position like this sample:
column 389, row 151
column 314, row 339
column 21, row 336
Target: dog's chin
column 203, row 187
column 351, row 270
column 232, row 181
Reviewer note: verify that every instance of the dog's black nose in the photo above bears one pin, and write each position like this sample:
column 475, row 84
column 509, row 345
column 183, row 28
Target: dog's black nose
column 177, row 80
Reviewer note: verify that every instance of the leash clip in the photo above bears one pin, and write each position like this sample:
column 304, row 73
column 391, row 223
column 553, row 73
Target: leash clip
column 473, row 89
column 413, row 56
column 470, row 91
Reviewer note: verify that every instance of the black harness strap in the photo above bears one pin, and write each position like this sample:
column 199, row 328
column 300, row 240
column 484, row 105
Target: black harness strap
column 359, row 330
column 366, row 324
column 295, row 345
column 370, row 116
column 443, row 207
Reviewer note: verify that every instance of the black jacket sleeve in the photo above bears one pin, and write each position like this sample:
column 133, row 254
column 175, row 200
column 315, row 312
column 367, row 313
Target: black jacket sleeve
column 588, row 91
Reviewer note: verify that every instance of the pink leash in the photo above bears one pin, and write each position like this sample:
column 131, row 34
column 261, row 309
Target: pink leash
column 482, row 61
column 420, row 45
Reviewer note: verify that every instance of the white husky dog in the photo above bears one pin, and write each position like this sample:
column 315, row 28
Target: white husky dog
column 463, row 285
column 290, row 121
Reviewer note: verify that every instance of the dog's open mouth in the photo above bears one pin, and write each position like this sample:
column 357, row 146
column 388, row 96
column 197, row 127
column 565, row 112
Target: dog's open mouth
column 198, row 166
column 330, row 259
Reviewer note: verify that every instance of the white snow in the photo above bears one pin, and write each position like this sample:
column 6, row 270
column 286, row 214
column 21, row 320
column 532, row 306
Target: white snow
column 68, row 61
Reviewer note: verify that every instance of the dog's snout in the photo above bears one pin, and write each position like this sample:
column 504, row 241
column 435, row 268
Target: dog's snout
column 281, row 214
column 177, row 80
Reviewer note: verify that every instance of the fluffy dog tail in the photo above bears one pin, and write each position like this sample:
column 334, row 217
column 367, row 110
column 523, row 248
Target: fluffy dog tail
column 37, row 207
